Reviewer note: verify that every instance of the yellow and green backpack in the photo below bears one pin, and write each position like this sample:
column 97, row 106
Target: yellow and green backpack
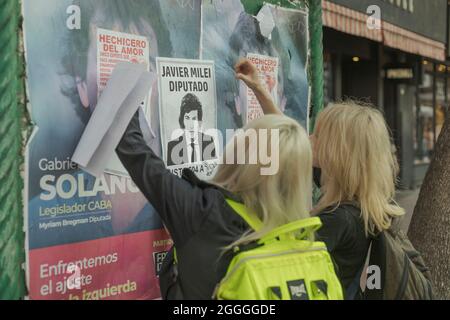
column 283, row 265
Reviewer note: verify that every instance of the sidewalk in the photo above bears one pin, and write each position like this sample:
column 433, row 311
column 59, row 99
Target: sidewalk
column 407, row 199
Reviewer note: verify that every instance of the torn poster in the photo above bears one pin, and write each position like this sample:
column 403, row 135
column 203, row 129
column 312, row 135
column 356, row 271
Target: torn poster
column 126, row 89
column 71, row 216
column 112, row 48
column 229, row 33
column 266, row 22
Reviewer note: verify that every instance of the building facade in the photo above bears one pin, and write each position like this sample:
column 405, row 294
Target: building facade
column 393, row 54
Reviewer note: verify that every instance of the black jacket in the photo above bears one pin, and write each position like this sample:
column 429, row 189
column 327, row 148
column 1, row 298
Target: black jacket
column 195, row 213
column 344, row 234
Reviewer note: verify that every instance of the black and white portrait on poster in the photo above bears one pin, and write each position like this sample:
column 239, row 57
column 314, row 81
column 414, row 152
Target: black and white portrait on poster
column 188, row 109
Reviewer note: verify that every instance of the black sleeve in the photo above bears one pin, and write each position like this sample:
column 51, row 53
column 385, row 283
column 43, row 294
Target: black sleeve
column 181, row 205
column 335, row 230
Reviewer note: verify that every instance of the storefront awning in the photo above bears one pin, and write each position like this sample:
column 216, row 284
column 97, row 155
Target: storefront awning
column 355, row 23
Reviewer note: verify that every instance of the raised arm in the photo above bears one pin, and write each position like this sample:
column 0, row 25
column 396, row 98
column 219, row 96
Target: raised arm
column 247, row 72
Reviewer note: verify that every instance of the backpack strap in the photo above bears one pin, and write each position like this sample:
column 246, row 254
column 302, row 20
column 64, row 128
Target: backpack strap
column 378, row 258
column 307, row 226
column 252, row 220
column 303, row 228
column 352, row 291
column 354, row 288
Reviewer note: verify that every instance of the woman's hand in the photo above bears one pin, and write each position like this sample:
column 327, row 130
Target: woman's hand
column 247, row 72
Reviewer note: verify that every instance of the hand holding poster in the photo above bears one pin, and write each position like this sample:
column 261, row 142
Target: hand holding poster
column 268, row 74
column 188, row 111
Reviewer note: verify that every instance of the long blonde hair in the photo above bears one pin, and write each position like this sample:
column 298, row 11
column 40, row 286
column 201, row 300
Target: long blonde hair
column 275, row 199
column 353, row 148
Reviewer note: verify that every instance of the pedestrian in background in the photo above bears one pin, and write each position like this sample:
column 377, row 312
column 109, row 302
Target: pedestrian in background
column 357, row 170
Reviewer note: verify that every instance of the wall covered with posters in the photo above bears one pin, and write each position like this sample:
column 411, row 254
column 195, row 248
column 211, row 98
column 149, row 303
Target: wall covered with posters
column 98, row 238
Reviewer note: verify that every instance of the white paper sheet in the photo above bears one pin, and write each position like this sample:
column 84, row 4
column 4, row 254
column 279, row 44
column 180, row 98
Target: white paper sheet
column 266, row 21
column 127, row 88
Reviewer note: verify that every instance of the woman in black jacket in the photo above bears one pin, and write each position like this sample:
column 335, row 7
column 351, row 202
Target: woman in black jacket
column 196, row 213
column 356, row 169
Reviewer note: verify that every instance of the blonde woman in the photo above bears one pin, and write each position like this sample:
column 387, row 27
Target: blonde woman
column 196, row 213
column 357, row 170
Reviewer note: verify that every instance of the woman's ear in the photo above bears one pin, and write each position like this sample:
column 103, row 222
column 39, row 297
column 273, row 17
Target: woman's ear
column 83, row 92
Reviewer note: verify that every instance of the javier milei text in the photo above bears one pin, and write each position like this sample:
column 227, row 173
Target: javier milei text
column 225, row 310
